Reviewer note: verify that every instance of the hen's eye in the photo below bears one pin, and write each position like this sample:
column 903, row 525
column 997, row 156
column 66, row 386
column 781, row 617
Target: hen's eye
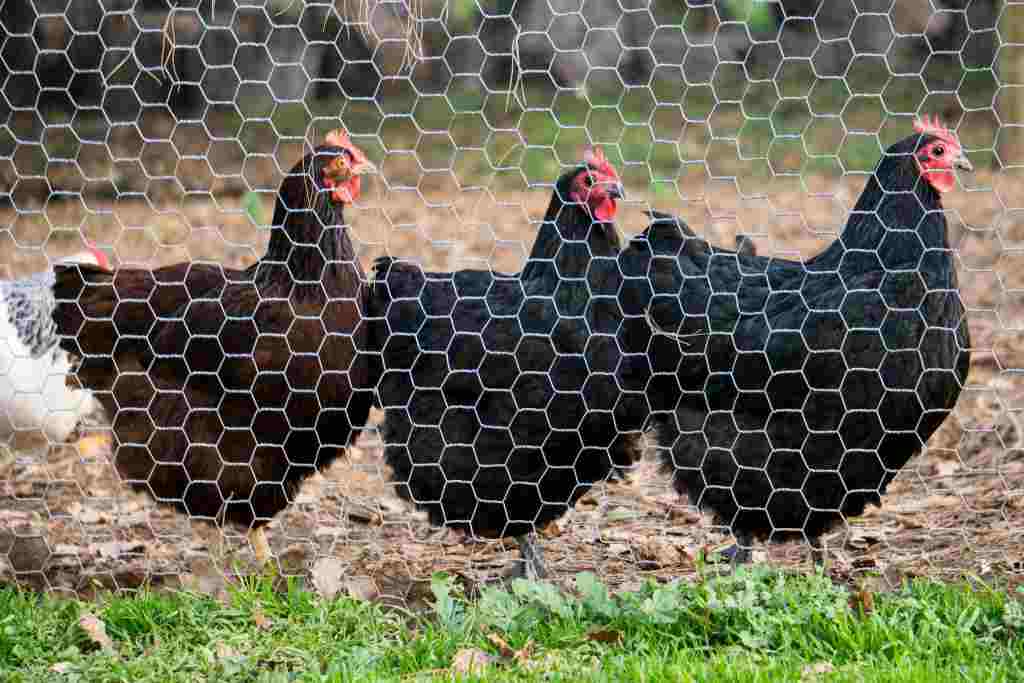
column 938, row 151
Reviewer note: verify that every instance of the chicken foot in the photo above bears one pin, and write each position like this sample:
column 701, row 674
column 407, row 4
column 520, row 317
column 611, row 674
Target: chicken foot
column 740, row 552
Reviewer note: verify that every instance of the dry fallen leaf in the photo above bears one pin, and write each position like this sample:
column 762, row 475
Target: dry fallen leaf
column 328, row 576
column 945, row 468
column 97, row 631
column 605, row 635
column 261, row 620
column 683, row 515
column 94, row 445
column 523, row 656
column 937, row 502
column 862, row 601
column 471, row 660
column 911, row 521
column 506, row 651
column 365, row 515
column 115, row 549
column 552, row 530
column 362, row 588
column 226, row 652
column 503, row 647
column 618, row 548
column 657, row 552
column 88, row 515
column 814, row 672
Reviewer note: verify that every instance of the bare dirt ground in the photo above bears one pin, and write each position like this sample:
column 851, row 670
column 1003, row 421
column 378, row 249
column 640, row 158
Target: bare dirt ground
column 957, row 510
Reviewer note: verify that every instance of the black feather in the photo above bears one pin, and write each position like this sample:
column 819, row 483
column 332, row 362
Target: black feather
column 494, row 422
column 807, row 386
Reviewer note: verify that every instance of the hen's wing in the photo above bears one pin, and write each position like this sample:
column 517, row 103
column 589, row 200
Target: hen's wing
column 95, row 307
column 438, row 325
column 483, row 392
column 248, row 382
column 105, row 318
column 724, row 307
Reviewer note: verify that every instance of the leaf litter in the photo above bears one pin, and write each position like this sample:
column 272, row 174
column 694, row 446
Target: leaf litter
column 67, row 524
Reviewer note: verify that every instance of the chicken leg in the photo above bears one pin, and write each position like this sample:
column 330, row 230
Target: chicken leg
column 819, row 553
column 531, row 565
column 740, row 552
column 260, row 546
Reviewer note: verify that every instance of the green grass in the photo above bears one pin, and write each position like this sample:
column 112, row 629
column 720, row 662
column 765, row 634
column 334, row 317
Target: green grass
column 758, row 625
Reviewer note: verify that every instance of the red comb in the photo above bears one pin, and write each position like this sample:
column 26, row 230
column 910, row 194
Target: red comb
column 594, row 155
column 932, row 125
column 338, row 138
column 595, row 158
column 101, row 258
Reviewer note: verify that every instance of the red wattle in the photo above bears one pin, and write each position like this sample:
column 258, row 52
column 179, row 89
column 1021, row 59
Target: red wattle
column 942, row 181
column 346, row 192
column 941, row 178
column 604, row 210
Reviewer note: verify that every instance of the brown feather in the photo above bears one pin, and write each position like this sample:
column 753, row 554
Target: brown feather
column 228, row 388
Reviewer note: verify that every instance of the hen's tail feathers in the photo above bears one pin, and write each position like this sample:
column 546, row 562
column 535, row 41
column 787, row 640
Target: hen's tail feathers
column 745, row 246
column 662, row 217
column 77, row 292
column 71, row 276
column 381, row 266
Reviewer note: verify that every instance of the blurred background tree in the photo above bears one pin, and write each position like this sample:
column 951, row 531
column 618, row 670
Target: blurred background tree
column 763, row 69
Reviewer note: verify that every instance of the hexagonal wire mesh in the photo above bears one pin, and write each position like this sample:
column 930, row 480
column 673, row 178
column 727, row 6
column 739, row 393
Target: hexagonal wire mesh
column 783, row 385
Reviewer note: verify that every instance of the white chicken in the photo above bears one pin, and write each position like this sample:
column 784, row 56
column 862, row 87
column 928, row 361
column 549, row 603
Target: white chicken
column 34, row 370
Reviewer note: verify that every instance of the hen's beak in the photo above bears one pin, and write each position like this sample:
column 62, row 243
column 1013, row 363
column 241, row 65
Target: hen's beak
column 962, row 162
column 364, row 168
column 616, row 191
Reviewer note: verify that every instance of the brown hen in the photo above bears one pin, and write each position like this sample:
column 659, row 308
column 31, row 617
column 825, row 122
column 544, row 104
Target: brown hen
column 227, row 388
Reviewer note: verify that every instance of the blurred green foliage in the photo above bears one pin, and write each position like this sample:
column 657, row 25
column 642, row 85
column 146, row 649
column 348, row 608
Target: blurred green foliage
column 756, row 13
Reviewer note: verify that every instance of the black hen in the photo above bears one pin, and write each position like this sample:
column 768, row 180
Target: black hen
column 806, row 386
column 493, row 423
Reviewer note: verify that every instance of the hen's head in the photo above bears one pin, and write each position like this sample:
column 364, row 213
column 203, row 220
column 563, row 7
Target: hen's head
column 343, row 166
column 596, row 185
column 938, row 153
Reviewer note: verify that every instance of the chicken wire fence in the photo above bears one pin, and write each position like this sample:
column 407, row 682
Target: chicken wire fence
column 165, row 133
